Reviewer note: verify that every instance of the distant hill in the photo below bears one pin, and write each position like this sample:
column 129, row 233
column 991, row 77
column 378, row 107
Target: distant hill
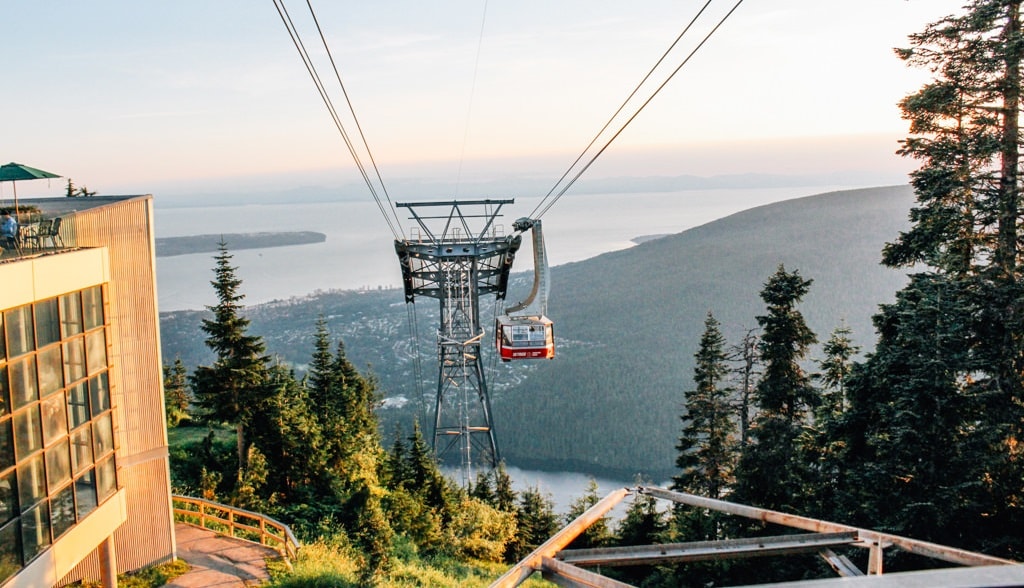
column 627, row 323
column 630, row 321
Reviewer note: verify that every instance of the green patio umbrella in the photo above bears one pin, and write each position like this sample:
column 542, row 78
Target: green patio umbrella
column 13, row 172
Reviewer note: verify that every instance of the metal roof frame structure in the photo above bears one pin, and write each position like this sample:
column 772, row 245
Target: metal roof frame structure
column 559, row 565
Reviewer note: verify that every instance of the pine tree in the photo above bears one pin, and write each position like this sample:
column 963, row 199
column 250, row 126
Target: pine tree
column 504, row 494
column 643, row 523
column 482, row 489
column 289, row 437
column 536, row 522
column 937, row 412
column 915, row 460
column 232, row 389
column 598, row 534
column 396, row 466
column 177, row 396
column 707, row 446
column 835, row 369
column 426, row 480
column 822, row 442
column 770, row 473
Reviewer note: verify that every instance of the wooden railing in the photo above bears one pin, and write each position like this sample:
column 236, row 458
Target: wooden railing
column 237, row 523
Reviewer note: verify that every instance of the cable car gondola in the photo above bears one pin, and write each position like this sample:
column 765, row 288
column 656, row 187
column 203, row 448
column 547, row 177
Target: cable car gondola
column 524, row 331
column 525, row 337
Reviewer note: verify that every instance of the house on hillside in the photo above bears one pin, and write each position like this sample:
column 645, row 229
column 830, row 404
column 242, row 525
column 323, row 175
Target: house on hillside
column 84, row 479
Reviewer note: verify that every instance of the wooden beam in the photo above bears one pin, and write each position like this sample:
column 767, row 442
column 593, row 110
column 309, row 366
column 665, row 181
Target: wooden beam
column 840, row 564
column 570, row 576
column 532, row 562
column 706, row 550
column 868, row 538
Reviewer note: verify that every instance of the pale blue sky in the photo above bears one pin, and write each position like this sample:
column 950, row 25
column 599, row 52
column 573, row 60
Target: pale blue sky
column 191, row 95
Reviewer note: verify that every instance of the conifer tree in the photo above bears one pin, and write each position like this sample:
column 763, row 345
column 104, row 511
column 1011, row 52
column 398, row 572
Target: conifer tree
column 937, row 412
column 396, row 466
column 598, row 534
column 707, row 446
column 835, row 369
column 536, row 522
column 289, row 437
column 482, row 489
column 232, row 389
column 426, row 480
column 643, row 523
column 822, row 443
column 771, row 473
column 745, row 354
column 177, row 396
column 504, row 494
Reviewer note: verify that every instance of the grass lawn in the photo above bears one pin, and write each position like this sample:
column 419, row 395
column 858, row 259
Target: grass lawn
column 181, row 435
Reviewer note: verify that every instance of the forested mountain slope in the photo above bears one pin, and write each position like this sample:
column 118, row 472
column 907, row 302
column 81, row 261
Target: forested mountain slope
column 627, row 323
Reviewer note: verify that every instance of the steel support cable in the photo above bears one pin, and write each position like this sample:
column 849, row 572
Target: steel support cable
column 282, row 11
column 325, row 96
column 492, row 365
column 417, row 367
column 642, row 106
column 472, row 95
column 622, row 106
column 352, row 111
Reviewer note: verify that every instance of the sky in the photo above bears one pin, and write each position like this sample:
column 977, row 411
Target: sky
column 207, row 96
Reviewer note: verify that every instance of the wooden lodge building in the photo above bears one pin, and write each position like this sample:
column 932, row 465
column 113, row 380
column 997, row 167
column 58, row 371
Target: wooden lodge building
column 84, row 478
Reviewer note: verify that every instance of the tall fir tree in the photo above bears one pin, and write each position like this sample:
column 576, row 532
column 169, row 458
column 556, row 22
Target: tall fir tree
column 822, row 442
column 233, row 389
column 937, row 412
column 707, row 447
column 771, row 473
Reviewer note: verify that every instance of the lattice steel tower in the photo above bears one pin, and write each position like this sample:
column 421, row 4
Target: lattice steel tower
column 458, row 253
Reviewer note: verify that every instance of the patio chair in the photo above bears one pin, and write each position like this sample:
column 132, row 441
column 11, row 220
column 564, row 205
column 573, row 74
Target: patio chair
column 36, row 238
column 53, row 234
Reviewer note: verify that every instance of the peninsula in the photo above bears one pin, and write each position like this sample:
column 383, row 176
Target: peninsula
column 168, row 246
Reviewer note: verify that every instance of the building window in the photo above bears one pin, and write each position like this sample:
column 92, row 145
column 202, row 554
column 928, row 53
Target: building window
column 57, row 462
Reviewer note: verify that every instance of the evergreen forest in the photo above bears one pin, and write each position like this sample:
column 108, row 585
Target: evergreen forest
column 756, row 390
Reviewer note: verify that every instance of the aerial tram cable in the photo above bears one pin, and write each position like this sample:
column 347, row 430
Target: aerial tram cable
column 472, row 94
column 541, row 207
column 296, row 37
column 352, row 111
column 623, row 105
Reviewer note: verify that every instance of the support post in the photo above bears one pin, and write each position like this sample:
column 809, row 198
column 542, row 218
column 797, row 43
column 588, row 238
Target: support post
column 108, row 562
column 876, row 555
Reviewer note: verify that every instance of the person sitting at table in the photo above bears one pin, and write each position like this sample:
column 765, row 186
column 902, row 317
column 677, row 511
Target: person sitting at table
column 8, row 229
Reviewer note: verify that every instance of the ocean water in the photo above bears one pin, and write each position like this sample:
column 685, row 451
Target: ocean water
column 359, row 250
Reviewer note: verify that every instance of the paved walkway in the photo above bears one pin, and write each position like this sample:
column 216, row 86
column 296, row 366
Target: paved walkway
column 218, row 561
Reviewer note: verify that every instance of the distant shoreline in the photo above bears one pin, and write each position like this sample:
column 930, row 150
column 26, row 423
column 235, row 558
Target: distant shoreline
column 170, row 246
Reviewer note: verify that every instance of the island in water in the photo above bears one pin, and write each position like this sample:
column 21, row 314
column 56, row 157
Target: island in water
column 168, row 246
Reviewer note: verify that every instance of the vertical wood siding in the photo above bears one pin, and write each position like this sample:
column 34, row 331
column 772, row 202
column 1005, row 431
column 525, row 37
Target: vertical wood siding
column 126, row 229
